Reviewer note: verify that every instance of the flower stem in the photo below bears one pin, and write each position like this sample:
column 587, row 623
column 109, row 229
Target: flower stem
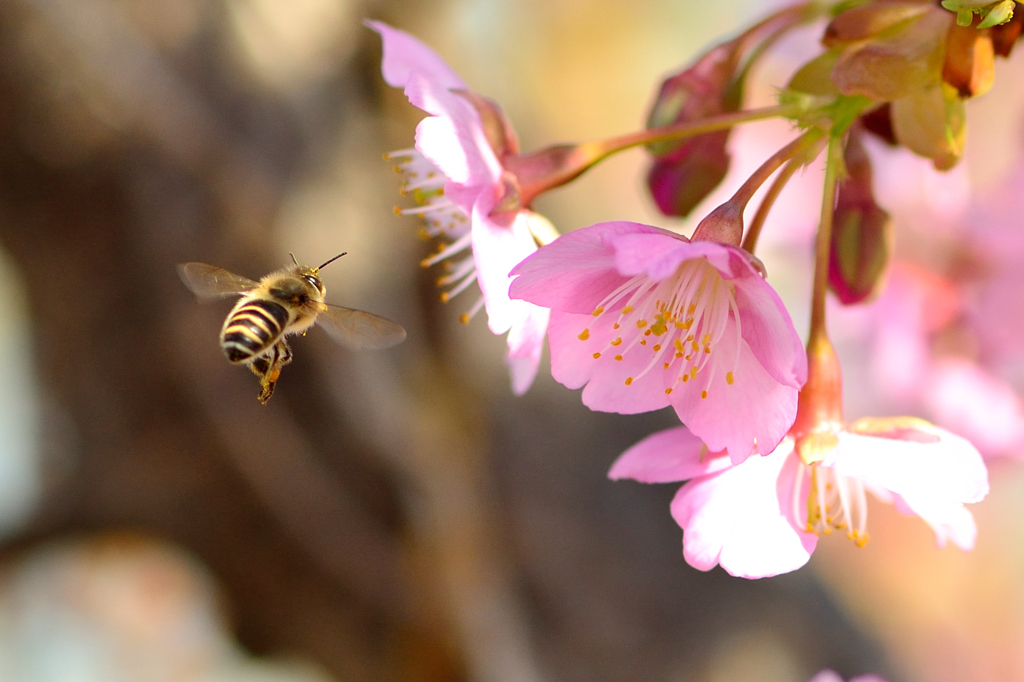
column 797, row 161
column 833, row 166
column 558, row 165
column 678, row 131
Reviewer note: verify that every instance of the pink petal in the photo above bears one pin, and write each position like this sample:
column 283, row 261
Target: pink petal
column 832, row 676
column 742, row 518
column 575, row 272
column 525, row 343
column 949, row 520
column 950, row 468
column 404, row 54
column 659, row 254
column 755, row 407
column 454, row 140
column 827, row 676
column 769, row 332
column 498, row 246
column 573, row 365
column 931, row 480
column 667, row 456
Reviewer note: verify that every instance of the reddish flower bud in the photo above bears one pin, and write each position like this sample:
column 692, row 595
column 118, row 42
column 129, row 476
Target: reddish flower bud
column 685, row 172
column 861, row 231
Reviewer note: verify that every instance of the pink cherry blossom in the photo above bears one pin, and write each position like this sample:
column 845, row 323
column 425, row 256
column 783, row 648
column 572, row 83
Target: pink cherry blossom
column 832, row 676
column 455, row 173
column 763, row 517
column 644, row 318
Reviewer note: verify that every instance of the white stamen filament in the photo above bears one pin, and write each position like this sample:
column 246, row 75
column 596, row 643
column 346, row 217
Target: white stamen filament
column 681, row 319
column 834, row 502
column 442, row 219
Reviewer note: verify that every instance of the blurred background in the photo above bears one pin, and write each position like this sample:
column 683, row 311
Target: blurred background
column 399, row 515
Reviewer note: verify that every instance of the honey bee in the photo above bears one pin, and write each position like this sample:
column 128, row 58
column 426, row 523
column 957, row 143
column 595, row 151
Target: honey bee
column 285, row 302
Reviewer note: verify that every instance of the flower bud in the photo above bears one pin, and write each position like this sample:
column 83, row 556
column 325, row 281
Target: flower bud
column 870, row 21
column 861, row 231
column 932, row 122
column 892, row 50
column 685, row 172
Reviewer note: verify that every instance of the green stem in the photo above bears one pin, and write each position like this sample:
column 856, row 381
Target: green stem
column 833, row 165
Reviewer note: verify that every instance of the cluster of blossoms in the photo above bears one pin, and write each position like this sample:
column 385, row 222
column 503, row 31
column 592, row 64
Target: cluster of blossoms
column 641, row 318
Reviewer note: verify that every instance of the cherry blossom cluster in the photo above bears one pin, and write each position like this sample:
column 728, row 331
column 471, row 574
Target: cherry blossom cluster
column 642, row 318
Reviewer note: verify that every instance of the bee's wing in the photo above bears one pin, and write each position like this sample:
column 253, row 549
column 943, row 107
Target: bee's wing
column 359, row 329
column 210, row 282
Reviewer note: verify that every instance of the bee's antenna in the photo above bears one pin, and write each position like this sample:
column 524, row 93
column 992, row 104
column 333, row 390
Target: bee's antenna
column 332, row 260
column 293, row 258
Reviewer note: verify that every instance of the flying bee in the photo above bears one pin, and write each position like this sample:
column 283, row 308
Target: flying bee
column 285, row 302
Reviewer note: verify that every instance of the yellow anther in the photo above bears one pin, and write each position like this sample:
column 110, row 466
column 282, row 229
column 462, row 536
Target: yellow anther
column 643, row 342
column 641, row 324
column 464, row 318
column 657, row 347
column 598, row 310
column 617, row 341
column 667, row 365
column 629, row 380
column 678, row 344
column 691, row 310
column 668, row 391
column 445, row 296
column 597, row 355
column 728, row 378
column 627, row 310
column 619, row 358
column 703, row 394
column 707, row 349
column 615, row 326
column 693, row 372
column 686, row 377
column 584, row 335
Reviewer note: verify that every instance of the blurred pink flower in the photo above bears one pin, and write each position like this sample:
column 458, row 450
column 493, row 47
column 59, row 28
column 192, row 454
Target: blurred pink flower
column 832, row 676
column 455, row 172
column 763, row 517
column 645, row 318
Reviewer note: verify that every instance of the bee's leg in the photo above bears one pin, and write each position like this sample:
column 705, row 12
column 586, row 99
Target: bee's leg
column 270, row 371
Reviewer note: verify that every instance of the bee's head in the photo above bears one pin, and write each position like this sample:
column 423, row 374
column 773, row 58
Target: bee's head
column 311, row 276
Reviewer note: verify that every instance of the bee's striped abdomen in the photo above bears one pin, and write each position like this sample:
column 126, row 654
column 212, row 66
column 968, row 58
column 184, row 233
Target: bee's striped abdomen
column 252, row 329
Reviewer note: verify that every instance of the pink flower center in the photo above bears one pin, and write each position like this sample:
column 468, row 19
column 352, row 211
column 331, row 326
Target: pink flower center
column 441, row 218
column 677, row 321
column 834, row 502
